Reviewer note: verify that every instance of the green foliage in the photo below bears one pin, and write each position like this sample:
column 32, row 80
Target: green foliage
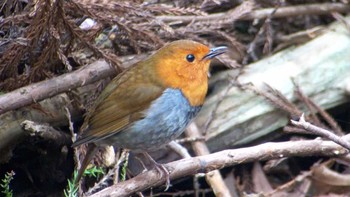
column 5, row 184
column 72, row 188
column 123, row 171
column 94, row 172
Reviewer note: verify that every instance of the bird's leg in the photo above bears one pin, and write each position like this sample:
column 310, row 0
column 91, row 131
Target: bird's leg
column 161, row 169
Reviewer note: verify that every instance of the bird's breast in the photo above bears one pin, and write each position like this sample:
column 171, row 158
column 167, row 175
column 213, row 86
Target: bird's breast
column 166, row 118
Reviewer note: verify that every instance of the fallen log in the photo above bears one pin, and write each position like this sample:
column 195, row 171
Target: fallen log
column 321, row 67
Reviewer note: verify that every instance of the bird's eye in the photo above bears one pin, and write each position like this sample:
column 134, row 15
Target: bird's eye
column 190, row 58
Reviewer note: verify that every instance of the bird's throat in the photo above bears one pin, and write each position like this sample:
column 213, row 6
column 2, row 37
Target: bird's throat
column 195, row 93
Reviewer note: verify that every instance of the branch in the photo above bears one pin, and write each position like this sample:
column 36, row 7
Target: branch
column 50, row 111
column 219, row 160
column 323, row 8
column 214, row 178
column 46, row 132
column 36, row 92
column 322, row 132
column 39, row 91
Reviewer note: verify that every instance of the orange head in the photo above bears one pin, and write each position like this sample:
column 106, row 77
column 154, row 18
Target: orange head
column 184, row 65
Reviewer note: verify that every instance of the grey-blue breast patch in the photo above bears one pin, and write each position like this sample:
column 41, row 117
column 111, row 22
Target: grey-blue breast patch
column 165, row 120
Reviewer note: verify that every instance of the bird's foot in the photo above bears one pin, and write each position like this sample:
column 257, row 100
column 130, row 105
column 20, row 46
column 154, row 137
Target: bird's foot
column 163, row 171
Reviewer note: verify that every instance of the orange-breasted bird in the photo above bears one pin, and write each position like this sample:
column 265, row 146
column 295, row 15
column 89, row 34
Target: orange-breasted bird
column 150, row 104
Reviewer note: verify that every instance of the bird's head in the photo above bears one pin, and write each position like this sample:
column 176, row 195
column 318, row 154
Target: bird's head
column 184, row 65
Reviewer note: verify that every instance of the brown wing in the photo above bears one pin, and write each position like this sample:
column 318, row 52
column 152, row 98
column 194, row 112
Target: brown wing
column 121, row 103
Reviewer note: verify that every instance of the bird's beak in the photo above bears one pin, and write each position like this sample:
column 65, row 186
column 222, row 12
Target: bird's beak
column 215, row 52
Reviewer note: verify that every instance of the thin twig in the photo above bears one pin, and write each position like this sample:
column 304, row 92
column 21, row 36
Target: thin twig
column 322, row 132
column 179, row 149
column 341, row 19
column 189, row 139
column 275, row 97
column 317, row 9
column 312, row 105
column 329, row 119
column 304, row 99
column 265, row 28
column 71, row 126
column 104, row 180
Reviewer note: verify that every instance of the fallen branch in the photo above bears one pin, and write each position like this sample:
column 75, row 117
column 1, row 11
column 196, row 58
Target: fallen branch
column 36, row 92
column 46, row 132
column 317, row 9
column 219, row 160
column 49, row 111
column 39, row 91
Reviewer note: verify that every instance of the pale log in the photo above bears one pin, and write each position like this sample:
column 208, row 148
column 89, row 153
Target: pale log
column 321, row 67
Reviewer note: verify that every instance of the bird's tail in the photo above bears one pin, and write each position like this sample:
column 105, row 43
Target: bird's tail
column 90, row 152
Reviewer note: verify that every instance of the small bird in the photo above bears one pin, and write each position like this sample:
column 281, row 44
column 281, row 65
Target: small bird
column 150, row 104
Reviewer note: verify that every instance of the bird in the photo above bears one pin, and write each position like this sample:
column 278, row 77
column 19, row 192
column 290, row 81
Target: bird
column 151, row 103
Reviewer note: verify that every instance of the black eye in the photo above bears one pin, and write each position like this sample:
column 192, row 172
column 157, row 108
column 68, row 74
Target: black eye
column 190, row 58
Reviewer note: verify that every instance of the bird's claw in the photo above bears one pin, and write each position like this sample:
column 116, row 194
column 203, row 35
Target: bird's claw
column 163, row 171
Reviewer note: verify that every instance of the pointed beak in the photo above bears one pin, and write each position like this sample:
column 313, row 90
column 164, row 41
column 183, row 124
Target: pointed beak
column 215, row 52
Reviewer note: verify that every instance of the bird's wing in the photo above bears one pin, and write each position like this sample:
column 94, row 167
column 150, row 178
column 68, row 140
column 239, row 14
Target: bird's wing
column 120, row 104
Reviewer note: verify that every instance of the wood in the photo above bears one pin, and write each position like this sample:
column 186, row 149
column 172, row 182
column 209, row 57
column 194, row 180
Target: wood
column 219, row 160
column 49, row 111
column 214, row 178
column 39, row 91
column 321, row 67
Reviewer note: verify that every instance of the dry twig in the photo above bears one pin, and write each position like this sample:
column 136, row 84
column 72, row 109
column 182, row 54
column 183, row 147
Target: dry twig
column 214, row 177
column 321, row 8
column 223, row 159
column 322, row 132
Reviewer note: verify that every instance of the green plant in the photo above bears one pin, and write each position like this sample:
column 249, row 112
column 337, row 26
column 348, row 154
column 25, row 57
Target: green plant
column 5, row 184
column 94, row 172
column 123, row 171
column 72, row 188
